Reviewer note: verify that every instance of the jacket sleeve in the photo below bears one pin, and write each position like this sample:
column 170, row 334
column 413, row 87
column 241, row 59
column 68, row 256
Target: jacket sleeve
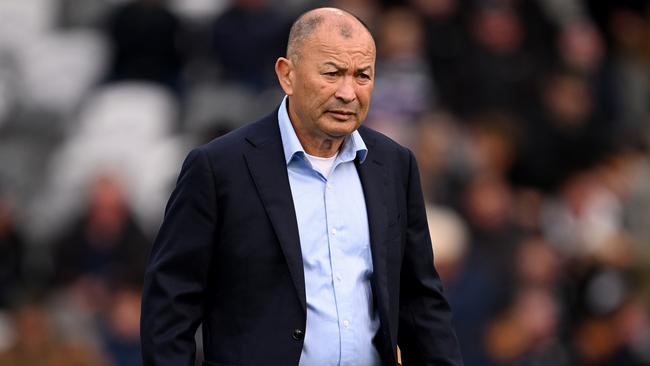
column 175, row 278
column 426, row 335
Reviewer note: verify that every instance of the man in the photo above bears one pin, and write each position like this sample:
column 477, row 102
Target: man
column 300, row 239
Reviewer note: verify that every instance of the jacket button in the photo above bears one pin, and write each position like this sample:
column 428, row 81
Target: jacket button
column 298, row 334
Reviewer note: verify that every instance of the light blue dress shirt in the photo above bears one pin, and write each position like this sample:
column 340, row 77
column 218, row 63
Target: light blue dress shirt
column 335, row 244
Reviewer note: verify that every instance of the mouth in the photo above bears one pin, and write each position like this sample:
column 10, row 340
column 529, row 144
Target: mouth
column 341, row 114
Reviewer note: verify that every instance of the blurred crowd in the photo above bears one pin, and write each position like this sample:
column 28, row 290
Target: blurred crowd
column 530, row 120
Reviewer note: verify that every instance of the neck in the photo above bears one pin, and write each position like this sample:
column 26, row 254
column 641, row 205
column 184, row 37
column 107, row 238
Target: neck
column 315, row 143
column 323, row 149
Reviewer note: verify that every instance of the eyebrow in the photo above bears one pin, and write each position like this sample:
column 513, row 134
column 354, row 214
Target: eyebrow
column 341, row 67
column 335, row 65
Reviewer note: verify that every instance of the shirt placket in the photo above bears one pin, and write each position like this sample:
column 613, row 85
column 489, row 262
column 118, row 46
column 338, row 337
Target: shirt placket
column 337, row 238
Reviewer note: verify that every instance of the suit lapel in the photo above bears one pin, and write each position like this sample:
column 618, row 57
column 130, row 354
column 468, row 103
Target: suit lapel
column 374, row 180
column 269, row 171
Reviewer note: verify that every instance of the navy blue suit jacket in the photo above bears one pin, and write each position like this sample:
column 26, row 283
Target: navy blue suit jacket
column 227, row 256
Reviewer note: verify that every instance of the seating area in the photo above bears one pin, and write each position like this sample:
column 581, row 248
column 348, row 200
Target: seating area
column 530, row 121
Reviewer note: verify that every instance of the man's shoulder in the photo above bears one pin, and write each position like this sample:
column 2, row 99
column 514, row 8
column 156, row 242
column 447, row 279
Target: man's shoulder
column 381, row 144
column 243, row 138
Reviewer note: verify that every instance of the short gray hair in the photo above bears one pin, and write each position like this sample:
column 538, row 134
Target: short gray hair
column 306, row 25
column 301, row 29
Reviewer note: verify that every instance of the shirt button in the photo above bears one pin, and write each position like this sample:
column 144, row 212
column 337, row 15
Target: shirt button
column 298, row 334
column 329, row 186
column 334, row 232
column 346, row 324
column 338, row 277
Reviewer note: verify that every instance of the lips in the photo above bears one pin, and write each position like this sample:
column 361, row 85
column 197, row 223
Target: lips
column 339, row 111
column 341, row 114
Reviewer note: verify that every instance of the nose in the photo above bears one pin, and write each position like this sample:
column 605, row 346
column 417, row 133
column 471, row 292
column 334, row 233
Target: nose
column 346, row 91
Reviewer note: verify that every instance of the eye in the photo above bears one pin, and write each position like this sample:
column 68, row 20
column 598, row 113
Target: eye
column 363, row 77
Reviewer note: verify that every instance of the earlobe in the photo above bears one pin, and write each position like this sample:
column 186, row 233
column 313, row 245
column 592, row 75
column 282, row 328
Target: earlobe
column 284, row 72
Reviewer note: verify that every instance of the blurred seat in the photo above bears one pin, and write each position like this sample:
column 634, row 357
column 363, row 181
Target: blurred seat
column 158, row 168
column 198, row 10
column 58, row 69
column 125, row 128
column 7, row 335
column 137, row 111
column 8, row 87
column 213, row 104
column 87, row 13
column 23, row 21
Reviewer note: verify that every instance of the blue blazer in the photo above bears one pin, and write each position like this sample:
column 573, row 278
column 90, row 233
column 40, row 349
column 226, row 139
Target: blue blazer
column 227, row 256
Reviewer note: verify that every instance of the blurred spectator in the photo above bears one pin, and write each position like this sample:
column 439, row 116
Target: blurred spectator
column 627, row 175
column 248, row 37
column 498, row 71
column 479, row 291
column 12, row 253
column 403, row 86
column 446, row 44
column 494, row 138
column 562, row 136
column 528, row 207
column 440, row 147
column 450, row 241
column 609, row 320
column 630, row 68
column 526, row 333
column 529, row 330
column 145, row 36
column 488, row 207
column 105, row 244
column 581, row 50
column 562, row 12
column 580, row 47
column 538, row 263
column 586, row 220
column 121, row 326
column 38, row 344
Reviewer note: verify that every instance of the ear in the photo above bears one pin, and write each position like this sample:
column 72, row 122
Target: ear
column 284, row 69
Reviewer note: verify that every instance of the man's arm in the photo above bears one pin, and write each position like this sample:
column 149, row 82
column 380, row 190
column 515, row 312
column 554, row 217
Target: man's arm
column 175, row 278
column 426, row 335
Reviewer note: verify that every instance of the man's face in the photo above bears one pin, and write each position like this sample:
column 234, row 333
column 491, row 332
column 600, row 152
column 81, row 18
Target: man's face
column 332, row 82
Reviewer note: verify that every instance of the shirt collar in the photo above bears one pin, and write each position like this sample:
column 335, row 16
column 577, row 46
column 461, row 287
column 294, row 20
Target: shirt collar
column 353, row 145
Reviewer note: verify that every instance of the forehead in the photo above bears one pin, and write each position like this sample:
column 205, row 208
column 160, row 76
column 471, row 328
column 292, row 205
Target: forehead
column 340, row 40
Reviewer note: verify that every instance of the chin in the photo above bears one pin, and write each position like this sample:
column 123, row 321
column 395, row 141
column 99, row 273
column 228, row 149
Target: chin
column 342, row 131
column 340, row 125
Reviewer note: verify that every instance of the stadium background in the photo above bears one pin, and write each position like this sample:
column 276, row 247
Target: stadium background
column 530, row 120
